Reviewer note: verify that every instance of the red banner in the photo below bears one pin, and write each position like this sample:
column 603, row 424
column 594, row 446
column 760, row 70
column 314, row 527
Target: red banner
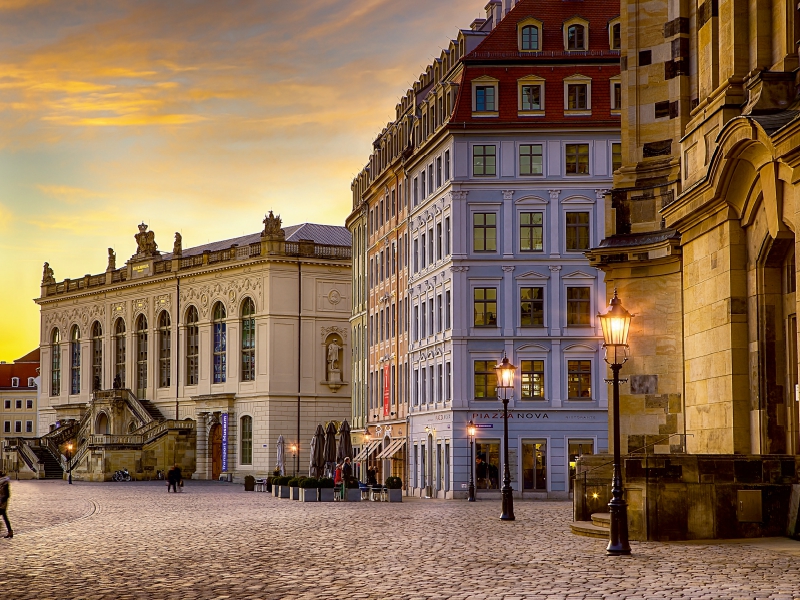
column 386, row 390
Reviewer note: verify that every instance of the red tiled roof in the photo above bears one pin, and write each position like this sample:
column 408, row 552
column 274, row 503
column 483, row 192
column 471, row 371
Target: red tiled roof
column 22, row 368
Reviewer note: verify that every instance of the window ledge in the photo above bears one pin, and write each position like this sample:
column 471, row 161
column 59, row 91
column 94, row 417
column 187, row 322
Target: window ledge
column 577, row 113
column 530, row 113
column 616, row 111
column 485, row 114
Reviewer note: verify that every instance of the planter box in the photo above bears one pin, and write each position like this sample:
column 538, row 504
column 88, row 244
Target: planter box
column 276, row 490
column 294, row 493
column 326, row 494
column 395, row 495
column 283, row 491
column 353, row 495
column 308, row 494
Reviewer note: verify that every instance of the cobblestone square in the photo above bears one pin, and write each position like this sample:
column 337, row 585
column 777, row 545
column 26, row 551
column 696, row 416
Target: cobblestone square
column 133, row 540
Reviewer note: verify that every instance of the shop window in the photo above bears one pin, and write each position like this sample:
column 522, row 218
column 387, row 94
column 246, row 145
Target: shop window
column 487, row 465
column 534, row 466
column 576, row 449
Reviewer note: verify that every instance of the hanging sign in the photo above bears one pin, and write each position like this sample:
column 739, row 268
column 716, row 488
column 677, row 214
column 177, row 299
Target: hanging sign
column 224, row 421
column 386, row 386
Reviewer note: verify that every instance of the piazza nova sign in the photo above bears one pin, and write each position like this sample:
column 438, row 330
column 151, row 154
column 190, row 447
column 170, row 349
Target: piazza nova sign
column 529, row 416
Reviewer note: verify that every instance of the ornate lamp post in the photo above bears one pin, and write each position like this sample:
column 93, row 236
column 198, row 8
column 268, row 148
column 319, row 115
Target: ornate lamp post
column 294, row 456
column 471, row 434
column 616, row 324
column 69, row 463
column 505, row 381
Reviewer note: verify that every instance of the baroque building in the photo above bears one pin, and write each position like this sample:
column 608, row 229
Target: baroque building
column 700, row 244
column 19, row 383
column 203, row 355
column 480, row 200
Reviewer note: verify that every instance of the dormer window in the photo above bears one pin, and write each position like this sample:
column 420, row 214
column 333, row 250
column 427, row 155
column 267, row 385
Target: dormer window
column 615, row 34
column 530, row 96
column 31, row 382
column 484, row 97
column 576, row 35
column 577, row 95
column 529, row 34
column 15, row 382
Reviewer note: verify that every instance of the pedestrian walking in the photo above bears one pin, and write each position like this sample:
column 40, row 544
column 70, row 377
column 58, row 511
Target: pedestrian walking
column 178, row 477
column 337, row 482
column 172, row 481
column 5, row 494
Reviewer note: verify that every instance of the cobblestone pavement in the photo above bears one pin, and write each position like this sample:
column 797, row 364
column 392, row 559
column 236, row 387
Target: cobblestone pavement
column 133, row 540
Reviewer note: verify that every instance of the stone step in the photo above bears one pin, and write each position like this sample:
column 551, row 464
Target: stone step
column 587, row 529
column 602, row 520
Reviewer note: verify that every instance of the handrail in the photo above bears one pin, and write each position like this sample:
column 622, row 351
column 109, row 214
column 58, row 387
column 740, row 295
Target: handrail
column 28, row 457
column 52, row 447
column 106, row 439
column 79, row 453
column 165, row 426
column 629, row 454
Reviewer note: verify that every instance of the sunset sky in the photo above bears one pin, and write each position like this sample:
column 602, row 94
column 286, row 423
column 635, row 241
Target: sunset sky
column 195, row 116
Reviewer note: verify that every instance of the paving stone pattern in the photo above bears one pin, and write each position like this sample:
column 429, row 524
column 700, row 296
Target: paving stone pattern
column 133, row 540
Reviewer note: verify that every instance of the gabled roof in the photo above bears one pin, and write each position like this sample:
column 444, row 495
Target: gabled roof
column 22, row 368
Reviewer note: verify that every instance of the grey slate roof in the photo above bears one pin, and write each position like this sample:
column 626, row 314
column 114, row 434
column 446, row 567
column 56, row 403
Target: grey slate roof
column 629, row 240
column 332, row 235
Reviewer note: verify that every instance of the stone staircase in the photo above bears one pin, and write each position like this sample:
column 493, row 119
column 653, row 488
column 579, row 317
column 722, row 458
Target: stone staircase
column 599, row 527
column 52, row 468
column 151, row 409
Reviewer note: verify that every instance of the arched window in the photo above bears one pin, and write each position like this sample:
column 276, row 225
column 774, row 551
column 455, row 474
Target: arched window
column 575, row 37
column 101, row 424
column 97, row 356
column 55, row 363
column 141, row 357
column 220, row 342
column 530, row 37
column 248, row 340
column 75, row 360
column 164, row 349
column 119, row 354
column 247, row 440
column 192, row 346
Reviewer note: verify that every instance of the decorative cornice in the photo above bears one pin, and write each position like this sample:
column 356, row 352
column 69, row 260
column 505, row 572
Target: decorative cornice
column 508, row 194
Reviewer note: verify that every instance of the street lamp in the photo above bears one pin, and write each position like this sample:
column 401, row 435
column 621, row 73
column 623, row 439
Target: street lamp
column 616, row 323
column 69, row 463
column 294, row 461
column 471, row 434
column 505, row 381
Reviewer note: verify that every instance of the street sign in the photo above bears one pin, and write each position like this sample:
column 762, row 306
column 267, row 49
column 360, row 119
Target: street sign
column 484, row 425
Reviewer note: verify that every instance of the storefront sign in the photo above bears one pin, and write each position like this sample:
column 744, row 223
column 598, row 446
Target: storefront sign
column 519, row 416
column 224, row 421
column 484, row 425
column 386, row 386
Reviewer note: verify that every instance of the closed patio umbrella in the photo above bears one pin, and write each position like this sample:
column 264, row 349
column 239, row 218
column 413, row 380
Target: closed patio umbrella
column 312, row 469
column 279, row 461
column 330, row 448
column 318, row 452
column 345, row 444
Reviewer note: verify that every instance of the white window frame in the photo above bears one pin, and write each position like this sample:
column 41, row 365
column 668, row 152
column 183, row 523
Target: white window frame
column 15, row 382
column 611, row 25
column 614, row 81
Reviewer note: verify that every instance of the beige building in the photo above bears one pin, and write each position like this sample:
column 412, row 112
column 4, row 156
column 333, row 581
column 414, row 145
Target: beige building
column 247, row 338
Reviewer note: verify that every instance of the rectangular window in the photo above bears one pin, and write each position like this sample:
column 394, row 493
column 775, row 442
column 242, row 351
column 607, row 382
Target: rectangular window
column 7, row 427
column 423, row 387
column 484, row 98
column 422, row 185
column 447, row 165
column 416, row 191
column 7, row 404
column 430, row 179
column 448, row 376
column 423, row 330
column 577, row 159
column 438, row 241
column 416, row 255
column 439, row 310
column 17, row 426
column 439, row 172
column 447, row 310
column 531, row 232
column 484, row 232
column 28, row 426
column 247, row 440
column 577, row 94
column 487, row 465
column 447, row 236
column 579, row 379
column 532, row 380
column 531, row 306
column 530, row 159
column 380, row 214
column 534, row 466
column 616, row 96
column 394, row 203
column 431, row 324
column 29, row 404
column 575, row 450
column 485, row 307
column 18, row 404
column 423, row 248
column 616, row 156
column 531, row 97
column 578, row 305
column 484, row 160
column 577, row 233
column 416, row 322
column 440, row 383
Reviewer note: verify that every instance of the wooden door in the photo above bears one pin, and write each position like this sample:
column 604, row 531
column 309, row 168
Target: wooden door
column 215, row 441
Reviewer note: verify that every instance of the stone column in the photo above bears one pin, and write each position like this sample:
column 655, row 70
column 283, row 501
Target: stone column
column 556, row 234
column 507, row 232
column 203, row 456
column 508, row 301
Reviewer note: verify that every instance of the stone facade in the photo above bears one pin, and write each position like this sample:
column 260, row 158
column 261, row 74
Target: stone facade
column 246, row 337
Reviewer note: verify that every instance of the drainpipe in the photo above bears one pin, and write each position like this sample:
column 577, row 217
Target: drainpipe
column 299, row 343
column 177, row 344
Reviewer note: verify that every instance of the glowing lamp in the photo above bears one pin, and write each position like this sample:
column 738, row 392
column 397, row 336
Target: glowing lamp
column 616, row 324
column 471, row 429
column 505, row 373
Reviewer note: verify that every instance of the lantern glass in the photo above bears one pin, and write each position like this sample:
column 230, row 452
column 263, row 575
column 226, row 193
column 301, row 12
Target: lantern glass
column 505, row 373
column 616, row 323
column 471, row 429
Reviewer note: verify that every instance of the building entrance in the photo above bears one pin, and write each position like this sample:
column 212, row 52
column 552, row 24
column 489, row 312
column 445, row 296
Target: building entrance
column 215, row 446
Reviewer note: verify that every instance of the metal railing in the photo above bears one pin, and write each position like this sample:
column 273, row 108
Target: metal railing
column 28, row 457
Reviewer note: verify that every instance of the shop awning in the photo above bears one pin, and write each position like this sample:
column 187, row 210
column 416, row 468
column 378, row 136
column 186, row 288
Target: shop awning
column 392, row 449
column 366, row 451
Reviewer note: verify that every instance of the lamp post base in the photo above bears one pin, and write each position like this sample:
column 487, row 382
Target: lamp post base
column 618, row 536
column 508, row 505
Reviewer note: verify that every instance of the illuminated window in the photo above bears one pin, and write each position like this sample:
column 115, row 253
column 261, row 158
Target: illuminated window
column 485, row 307
column 532, row 380
column 485, row 378
column 55, row 363
column 579, row 379
column 220, row 332
column 248, row 340
column 192, row 347
column 75, row 360
column 164, row 349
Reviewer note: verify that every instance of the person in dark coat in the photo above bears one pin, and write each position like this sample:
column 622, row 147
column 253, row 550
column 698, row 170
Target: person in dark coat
column 5, row 494
column 173, row 476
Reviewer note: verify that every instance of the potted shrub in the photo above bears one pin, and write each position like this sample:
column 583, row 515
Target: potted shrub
column 294, row 487
column 249, row 483
column 325, row 489
column 395, row 487
column 353, row 492
column 283, row 488
column 308, row 489
column 269, row 483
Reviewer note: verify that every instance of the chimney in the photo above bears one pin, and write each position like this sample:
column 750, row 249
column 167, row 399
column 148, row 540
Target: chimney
column 494, row 12
column 507, row 8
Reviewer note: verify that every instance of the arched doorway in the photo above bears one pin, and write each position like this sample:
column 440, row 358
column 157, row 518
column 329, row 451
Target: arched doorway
column 215, row 447
column 101, row 424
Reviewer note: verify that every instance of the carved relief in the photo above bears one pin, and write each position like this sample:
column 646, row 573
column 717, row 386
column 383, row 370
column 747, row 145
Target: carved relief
column 334, row 297
column 326, row 331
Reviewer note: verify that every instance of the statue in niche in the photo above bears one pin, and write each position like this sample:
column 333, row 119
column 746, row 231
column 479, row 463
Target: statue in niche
column 112, row 260
column 146, row 241
column 177, row 247
column 334, row 368
column 47, row 274
column 272, row 225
